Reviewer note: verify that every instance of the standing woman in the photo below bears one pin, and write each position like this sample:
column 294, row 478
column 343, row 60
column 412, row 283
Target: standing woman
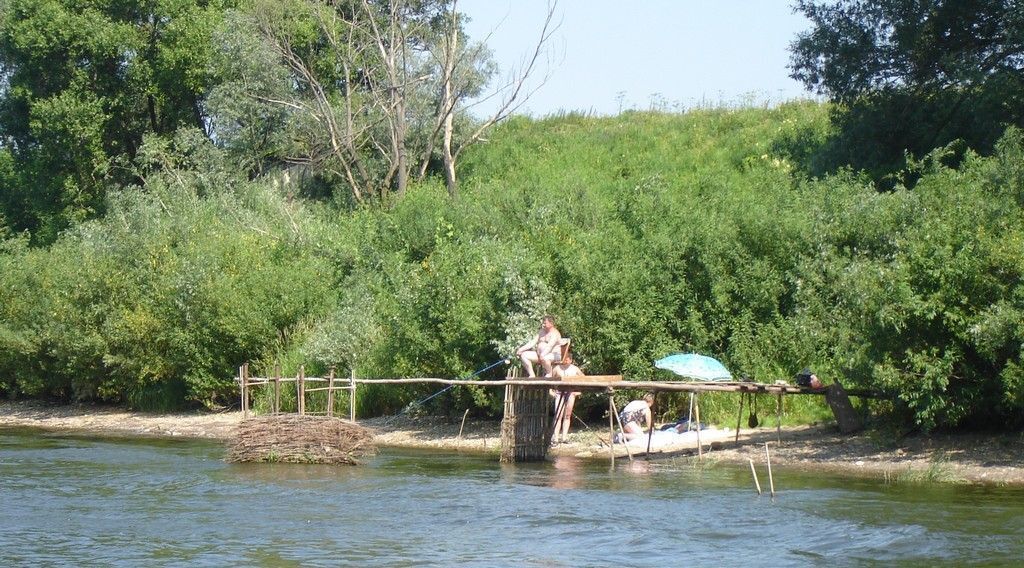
column 564, row 400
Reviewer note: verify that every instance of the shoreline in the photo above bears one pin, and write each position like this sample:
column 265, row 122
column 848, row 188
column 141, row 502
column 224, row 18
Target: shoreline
column 975, row 458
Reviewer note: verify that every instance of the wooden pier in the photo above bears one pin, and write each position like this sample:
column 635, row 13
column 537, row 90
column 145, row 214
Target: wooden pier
column 526, row 424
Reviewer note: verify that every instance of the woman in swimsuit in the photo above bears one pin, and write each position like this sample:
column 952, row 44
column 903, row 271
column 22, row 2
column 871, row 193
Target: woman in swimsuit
column 636, row 415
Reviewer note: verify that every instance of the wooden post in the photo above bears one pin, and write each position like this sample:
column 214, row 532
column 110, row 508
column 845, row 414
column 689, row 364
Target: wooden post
column 696, row 408
column 753, row 472
column 625, row 442
column 689, row 415
column 560, row 404
column 352, row 394
column 778, row 420
column 330, row 392
column 301, row 386
column 611, row 428
column 525, row 426
column 277, row 387
column 458, row 443
column 739, row 416
column 650, row 431
column 768, row 458
column 244, row 380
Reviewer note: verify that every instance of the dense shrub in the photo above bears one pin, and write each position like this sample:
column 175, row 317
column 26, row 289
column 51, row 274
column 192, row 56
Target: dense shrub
column 156, row 304
column 644, row 234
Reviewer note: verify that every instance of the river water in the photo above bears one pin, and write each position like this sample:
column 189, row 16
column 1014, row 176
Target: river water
column 85, row 501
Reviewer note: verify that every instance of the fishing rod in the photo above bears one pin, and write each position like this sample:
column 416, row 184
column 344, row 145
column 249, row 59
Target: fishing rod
column 447, row 388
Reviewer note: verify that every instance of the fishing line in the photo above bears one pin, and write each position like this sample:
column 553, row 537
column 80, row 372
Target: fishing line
column 447, row 388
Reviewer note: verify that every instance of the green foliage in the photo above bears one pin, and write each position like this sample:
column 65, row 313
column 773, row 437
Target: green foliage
column 350, row 90
column 911, row 76
column 644, row 234
column 858, row 47
column 83, row 83
column 156, row 304
column 939, row 470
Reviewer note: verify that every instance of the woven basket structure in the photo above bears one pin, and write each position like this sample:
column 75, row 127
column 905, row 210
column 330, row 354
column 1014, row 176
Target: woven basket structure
column 294, row 438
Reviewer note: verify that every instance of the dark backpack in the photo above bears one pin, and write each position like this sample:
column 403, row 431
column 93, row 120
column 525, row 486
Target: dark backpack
column 803, row 378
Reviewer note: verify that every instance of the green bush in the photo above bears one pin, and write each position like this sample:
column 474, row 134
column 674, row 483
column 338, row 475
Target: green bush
column 644, row 234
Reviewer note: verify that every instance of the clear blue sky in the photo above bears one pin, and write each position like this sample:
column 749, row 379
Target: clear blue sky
column 612, row 55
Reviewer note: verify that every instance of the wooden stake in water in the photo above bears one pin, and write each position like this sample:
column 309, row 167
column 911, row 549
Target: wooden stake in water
column 753, row 472
column 625, row 442
column 768, row 457
column 464, row 415
column 611, row 427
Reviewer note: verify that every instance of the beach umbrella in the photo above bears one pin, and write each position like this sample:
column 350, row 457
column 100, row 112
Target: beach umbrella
column 694, row 366
column 697, row 367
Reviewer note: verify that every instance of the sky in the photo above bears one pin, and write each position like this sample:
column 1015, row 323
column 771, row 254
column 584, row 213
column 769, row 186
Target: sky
column 613, row 55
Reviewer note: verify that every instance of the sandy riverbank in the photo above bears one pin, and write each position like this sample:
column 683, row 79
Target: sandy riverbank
column 971, row 458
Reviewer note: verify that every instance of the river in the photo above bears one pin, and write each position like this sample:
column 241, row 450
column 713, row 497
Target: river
column 85, row 501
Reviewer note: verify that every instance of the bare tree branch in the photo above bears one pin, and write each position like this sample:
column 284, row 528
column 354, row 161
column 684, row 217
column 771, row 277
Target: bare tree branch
column 513, row 92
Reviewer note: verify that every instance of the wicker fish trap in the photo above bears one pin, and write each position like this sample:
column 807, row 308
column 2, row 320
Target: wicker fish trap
column 293, row 438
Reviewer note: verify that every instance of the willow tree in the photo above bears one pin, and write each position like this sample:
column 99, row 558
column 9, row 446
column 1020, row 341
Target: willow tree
column 372, row 92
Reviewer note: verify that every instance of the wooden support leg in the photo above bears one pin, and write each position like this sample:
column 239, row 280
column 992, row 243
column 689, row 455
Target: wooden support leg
column 696, row 408
column 330, row 393
column 561, row 400
column 739, row 416
column 625, row 442
column 243, row 380
column 277, row 388
column 778, row 420
column 352, row 395
column 611, row 427
column 650, row 432
column 689, row 415
column 300, row 383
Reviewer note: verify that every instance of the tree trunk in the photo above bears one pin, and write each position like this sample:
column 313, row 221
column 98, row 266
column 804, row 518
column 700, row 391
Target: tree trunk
column 401, row 155
column 448, row 107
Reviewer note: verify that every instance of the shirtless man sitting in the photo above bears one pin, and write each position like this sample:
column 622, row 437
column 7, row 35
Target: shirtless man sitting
column 543, row 349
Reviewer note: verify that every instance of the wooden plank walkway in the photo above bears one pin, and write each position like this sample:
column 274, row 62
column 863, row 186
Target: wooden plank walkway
column 603, row 382
column 606, row 384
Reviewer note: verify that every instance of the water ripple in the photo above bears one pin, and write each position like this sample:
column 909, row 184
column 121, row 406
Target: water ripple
column 98, row 502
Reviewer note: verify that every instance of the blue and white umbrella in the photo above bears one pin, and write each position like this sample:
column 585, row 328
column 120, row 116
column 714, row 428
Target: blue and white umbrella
column 694, row 366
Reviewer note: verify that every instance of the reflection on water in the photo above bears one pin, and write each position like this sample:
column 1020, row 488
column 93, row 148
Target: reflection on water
column 86, row 501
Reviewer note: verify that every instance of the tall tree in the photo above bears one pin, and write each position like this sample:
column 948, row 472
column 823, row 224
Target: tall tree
column 83, row 82
column 376, row 89
column 857, row 47
column 457, row 85
column 912, row 75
